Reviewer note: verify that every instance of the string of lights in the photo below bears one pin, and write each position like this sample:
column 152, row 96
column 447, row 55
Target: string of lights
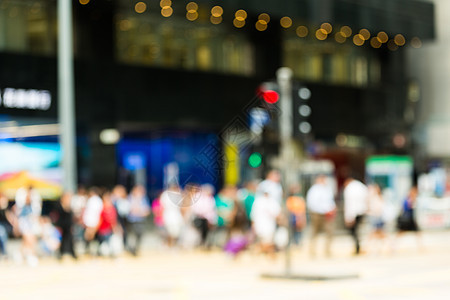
column 325, row 31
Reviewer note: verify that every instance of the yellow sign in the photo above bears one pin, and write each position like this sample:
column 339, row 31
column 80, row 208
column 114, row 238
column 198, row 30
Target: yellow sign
column 231, row 164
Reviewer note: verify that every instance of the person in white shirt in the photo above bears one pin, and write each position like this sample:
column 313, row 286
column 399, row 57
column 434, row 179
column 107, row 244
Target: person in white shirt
column 91, row 216
column 265, row 212
column 355, row 207
column 272, row 186
column 321, row 206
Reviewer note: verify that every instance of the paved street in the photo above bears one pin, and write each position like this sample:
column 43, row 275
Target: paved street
column 167, row 274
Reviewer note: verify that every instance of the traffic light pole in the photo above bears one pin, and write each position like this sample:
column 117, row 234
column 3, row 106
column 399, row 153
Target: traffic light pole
column 284, row 80
column 66, row 107
column 287, row 164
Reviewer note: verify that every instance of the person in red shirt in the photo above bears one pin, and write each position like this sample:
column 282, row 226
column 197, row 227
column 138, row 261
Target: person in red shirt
column 107, row 222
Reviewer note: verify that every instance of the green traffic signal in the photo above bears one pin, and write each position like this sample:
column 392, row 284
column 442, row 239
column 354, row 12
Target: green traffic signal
column 255, row 160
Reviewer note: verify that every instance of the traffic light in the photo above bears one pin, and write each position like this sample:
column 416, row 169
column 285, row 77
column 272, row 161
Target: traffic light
column 301, row 97
column 265, row 109
column 270, row 96
column 255, row 160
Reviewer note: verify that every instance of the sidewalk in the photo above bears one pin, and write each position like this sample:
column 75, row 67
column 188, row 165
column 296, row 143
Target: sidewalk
column 174, row 274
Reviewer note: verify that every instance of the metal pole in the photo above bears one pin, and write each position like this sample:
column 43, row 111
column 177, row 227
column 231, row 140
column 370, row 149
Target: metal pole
column 284, row 79
column 66, row 107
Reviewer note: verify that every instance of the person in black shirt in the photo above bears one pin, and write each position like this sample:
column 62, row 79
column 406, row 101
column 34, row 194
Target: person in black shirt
column 64, row 221
column 5, row 224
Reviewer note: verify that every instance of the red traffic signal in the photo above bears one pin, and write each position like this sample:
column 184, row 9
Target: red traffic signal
column 270, row 96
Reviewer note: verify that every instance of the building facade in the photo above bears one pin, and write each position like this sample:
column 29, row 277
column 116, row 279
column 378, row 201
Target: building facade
column 171, row 76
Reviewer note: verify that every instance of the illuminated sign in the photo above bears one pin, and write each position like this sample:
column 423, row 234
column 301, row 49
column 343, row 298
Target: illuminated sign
column 25, row 99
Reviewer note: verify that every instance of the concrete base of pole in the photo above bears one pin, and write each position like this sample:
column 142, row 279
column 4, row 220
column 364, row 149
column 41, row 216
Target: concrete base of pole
column 309, row 277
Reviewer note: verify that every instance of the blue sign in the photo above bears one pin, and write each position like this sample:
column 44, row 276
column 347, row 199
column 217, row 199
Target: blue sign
column 134, row 161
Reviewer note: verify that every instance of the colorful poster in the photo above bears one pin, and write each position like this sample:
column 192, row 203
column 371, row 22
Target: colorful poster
column 25, row 164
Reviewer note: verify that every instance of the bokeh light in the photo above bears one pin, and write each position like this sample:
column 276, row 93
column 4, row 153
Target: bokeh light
column 216, row 11
column 399, row 40
column 264, row 17
column 261, row 25
column 304, row 127
column 191, row 7
column 327, row 27
column 365, row 34
column 238, row 23
column 416, row 42
column 164, row 3
column 321, row 34
column 286, row 22
column 339, row 37
column 216, row 20
column 375, row 42
column 346, row 31
column 304, row 110
column 125, row 25
column 166, row 11
column 341, row 140
column 358, row 39
column 241, row 15
column 192, row 15
column 382, row 37
column 140, row 7
column 302, row 31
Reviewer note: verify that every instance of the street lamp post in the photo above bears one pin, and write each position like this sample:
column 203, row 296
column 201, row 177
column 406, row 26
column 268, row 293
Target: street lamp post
column 66, row 107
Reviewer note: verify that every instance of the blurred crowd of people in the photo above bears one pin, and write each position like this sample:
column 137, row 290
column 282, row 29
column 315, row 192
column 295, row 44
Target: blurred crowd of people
column 362, row 204
column 108, row 217
column 108, row 222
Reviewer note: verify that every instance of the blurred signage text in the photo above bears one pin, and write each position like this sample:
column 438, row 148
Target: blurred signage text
column 25, row 99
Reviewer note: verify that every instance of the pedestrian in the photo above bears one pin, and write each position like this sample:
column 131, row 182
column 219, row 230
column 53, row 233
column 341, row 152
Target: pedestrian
column 272, row 186
column 49, row 237
column 296, row 207
column 247, row 196
column 64, row 221
column 139, row 210
column 224, row 205
column 106, row 225
column 78, row 205
column 122, row 204
column 29, row 193
column 6, row 224
column 28, row 210
column 171, row 214
column 322, row 210
column 237, row 241
column 377, row 215
column 157, row 211
column 91, row 216
column 355, row 207
column 265, row 213
column 406, row 221
column 204, row 213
